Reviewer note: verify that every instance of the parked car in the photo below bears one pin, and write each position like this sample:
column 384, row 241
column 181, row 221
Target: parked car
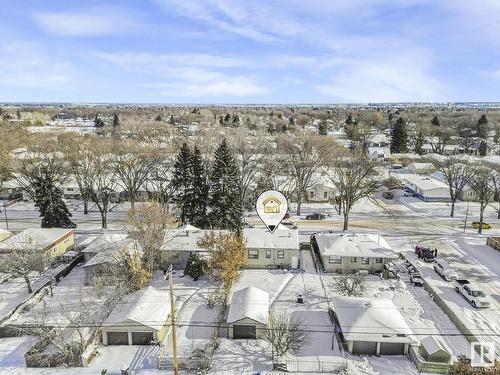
column 416, row 279
column 444, row 270
column 476, row 297
column 289, row 224
column 475, row 225
column 388, row 195
column 316, row 216
column 424, row 253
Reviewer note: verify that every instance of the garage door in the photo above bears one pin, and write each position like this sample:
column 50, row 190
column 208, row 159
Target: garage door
column 117, row 338
column 142, row 338
column 364, row 347
column 391, row 348
column 244, row 332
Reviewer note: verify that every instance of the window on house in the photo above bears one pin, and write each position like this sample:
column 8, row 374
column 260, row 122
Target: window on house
column 335, row 259
column 311, row 194
column 365, row 260
column 354, row 259
column 253, row 254
column 325, row 194
column 281, row 254
column 378, row 260
column 268, row 253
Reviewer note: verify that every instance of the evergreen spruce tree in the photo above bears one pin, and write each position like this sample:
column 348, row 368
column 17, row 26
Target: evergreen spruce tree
column 116, row 121
column 225, row 194
column 98, row 123
column 399, row 140
column 323, row 128
column 483, row 148
column 53, row 210
column 435, row 121
column 349, row 120
column 482, row 127
column 197, row 198
column 181, row 182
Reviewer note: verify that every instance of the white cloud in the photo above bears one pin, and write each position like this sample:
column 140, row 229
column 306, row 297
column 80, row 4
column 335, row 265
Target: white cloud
column 88, row 22
column 216, row 86
column 30, row 65
column 252, row 19
column 407, row 77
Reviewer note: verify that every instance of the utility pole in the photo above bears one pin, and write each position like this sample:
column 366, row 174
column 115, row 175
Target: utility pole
column 172, row 313
column 466, row 216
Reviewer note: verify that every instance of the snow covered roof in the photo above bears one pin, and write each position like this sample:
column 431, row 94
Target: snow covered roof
column 425, row 183
column 186, row 238
column 105, row 242
column 251, row 303
column 149, row 307
column 421, row 166
column 371, row 319
column 34, row 238
column 354, row 245
column 433, row 345
column 111, row 254
column 261, row 238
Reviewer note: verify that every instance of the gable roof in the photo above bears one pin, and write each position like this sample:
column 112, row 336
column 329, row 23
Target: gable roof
column 261, row 238
column 354, row 245
column 371, row 319
column 149, row 307
column 111, row 254
column 105, row 242
column 34, row 239
column 433, row 345
column 249, row 303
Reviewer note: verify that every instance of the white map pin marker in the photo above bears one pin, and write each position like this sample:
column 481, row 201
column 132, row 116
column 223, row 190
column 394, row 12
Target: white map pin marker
column 272, row 207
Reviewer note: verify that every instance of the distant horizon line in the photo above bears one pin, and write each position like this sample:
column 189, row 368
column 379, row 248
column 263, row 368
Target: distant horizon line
column 215, row 104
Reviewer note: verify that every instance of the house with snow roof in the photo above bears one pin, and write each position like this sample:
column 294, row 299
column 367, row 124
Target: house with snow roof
column 272, row 250
column 352, row 252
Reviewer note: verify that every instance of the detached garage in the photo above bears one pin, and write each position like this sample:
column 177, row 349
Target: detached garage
column 248, row 315
column 371, row 326
column 141, row 319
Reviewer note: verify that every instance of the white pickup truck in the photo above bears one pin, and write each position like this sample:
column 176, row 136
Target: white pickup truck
column 476, row 297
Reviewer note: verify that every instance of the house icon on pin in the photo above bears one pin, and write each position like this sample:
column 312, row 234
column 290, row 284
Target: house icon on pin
column 272, row 205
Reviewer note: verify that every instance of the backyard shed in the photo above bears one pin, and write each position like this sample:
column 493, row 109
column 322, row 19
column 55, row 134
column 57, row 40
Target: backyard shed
column 434, row 350
column 248, row 315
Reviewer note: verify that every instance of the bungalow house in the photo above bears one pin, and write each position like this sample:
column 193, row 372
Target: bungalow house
column 322, row 190
column 139, row 320
column 248, row 314
column 427, row 189
column 103, row 243
column 53, row 242
column 181, row 242
column 421, row 168
column 352, row 252
column 100, row 262
column 272, row 250
column 371, row 326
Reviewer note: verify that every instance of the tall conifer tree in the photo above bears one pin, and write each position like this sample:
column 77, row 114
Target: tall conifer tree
column 225, row 194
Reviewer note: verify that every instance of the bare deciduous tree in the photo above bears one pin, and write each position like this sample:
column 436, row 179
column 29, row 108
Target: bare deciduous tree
column 456, row 175
column 348, row 285
column 132, row 166
column 149, row 224
column 354, row 178
column 285, row 334
column 483, row 186
column 304, row 154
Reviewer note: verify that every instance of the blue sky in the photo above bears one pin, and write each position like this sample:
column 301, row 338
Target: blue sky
column 227, row 51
